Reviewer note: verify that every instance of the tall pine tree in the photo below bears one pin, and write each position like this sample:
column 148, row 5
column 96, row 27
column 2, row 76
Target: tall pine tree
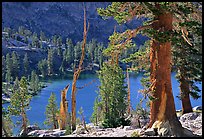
column 113, row 94
column 51, row 112
column 20, row 101
column 164, row 19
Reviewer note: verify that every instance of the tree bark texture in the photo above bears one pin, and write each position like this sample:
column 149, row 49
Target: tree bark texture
column 63, row 109
column 162, row 109
column 185, row 97
column 24, row 123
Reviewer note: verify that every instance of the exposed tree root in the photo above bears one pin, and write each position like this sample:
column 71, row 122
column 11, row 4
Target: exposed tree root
column 171, row 128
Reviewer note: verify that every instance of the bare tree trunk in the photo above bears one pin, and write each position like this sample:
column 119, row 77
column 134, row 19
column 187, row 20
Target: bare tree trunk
column 77, row 73
column 63, row 109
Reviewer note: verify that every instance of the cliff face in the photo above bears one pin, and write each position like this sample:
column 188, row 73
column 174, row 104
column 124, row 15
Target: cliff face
column 62, row 18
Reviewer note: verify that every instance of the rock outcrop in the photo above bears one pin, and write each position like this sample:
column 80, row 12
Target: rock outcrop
column 191, row 121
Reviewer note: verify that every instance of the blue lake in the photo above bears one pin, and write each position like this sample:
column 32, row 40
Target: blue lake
column 85, row 97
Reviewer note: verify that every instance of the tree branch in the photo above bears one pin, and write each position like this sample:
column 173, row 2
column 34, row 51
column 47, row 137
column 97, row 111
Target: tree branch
column 133, row 33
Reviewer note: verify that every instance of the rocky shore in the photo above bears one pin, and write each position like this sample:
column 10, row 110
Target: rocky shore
column 191, row 121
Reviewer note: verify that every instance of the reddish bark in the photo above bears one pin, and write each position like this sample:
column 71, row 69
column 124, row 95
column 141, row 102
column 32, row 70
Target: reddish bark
column 24, row 119
column 163, row 107
column 63, row 109
column 185, row 98
column 153, row 105
column 77, row 73
column 162, row 110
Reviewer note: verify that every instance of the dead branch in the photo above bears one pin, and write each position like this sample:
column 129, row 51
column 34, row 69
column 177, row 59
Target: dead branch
column 77, row 73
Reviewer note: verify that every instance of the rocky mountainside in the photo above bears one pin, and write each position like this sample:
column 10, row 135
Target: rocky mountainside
column 190, row 121
column 63, row 18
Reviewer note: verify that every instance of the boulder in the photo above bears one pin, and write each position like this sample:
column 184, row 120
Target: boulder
column 189, row 116
column 197, row 108
column 144, row 122
column 33, row 133
column 46, row 135
column 120, row 127
column 79, row 130
column 59, row 133
column 149, row 132
column 29, row 129
column 126, row 128
column 198, row 132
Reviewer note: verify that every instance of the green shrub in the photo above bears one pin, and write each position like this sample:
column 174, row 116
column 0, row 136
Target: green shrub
column 68, row 130
column 112, row 123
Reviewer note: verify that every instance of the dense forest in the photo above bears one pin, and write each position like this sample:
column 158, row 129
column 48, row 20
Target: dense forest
column 174, row 32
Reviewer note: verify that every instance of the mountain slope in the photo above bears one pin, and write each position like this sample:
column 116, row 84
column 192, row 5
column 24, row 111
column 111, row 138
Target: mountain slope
column 62, row 18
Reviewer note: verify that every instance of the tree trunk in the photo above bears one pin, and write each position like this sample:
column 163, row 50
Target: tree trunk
column 153, row 105
column 63, row 108
column 74, row 104
column 185, row 98
column 163, row 114
column 24, row 123
column 77, row 73
column 128, row 98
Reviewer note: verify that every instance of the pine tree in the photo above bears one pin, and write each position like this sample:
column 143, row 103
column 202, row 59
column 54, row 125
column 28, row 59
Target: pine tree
column 42, row 36
column 42, row 66
column 164, row 19
column 91, row 48
column 62, row 67
column 77, row 52
column 54, row 40
column 16, row 85
column 51, row 112
column 99, row 54
column 113, row 94
column 70, row 50
column 8, row 77
column 35, row 41
column 187, row 61
column 15, row 64
column 59, row 41
column 50, row 62
column 34, row 82
column 96, row 116
column 26, row 63
column 20, row 101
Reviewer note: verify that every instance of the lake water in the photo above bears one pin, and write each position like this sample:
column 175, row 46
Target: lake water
column 85, row 97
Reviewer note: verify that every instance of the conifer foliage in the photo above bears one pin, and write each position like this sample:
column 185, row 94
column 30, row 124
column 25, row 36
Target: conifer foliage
column 164, row 20
column 20, row 101
column 51, row 112
column 113, row 95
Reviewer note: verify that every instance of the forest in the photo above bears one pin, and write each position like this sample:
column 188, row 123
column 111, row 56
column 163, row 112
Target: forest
column 174, row 31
